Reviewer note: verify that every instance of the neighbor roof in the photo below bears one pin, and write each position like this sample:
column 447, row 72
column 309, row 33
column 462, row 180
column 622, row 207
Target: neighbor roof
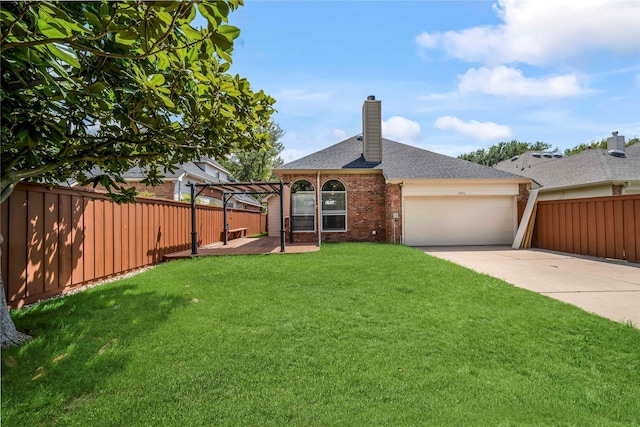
column 590, row 166
column 399, row 162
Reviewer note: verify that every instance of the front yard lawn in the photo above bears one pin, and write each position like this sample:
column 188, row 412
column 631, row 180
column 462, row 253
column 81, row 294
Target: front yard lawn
column 355, row 334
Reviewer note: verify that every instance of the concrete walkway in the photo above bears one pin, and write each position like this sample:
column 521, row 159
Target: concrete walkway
column 608, row 288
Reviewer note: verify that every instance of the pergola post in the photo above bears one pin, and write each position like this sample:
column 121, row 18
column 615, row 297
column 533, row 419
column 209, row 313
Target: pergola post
column 194, row 233
column 281, row 216
column 224, row 218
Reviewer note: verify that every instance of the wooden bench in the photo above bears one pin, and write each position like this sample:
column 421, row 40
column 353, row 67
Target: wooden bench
column 237, row 232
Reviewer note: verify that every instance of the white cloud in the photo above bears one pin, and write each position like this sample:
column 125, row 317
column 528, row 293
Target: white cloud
column 401, row 129
column 428, row 41
column 340, row 134
column 506, row 81
column 474, row 128
column 536, row 32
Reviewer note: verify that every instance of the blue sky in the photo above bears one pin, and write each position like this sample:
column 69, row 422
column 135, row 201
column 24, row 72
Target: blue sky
column 453, row 76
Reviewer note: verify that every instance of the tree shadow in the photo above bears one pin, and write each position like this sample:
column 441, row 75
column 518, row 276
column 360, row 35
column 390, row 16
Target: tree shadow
column 80, row 342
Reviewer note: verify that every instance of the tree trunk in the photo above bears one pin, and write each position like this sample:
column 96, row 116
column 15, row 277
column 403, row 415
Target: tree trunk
column 10, row 335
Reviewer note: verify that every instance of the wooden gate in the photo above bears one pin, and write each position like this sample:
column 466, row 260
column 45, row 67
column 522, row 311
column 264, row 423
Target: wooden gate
column 605, row 227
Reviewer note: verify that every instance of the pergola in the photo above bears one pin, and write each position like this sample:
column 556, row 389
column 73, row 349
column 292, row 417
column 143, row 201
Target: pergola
column 230, row 189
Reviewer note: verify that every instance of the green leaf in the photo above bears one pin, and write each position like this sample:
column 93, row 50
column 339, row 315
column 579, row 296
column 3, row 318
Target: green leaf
column 167, row 102
column 94, row 21
column 156, row 80
column 96, row 87
column 229, row 31
column 191, row 32
column 52, row 31
column 126, row 37
column 165, row 17
column 64, row 53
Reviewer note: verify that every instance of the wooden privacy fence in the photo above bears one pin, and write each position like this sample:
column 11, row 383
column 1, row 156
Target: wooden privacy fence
column 55, row 240
column 606, row 227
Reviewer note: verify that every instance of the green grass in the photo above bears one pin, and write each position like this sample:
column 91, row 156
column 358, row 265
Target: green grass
column 355, row 334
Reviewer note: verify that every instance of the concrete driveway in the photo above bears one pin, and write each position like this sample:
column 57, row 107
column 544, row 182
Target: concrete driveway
column 608, row 288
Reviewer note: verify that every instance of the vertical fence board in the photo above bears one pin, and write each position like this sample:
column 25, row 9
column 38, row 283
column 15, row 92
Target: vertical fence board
column 569, row 226
column 130, row 250
column 18, row 245
column 65, row 241
column 630, row 230
column 618, row 213
column 139, row 234
column 35, row 262
column 562, row 231
column 4, row 229
column 78, row 204
column 117, row 238
column 51, row 241
column 89, row 240
column 601, row 240
column 108, row 238
column 99, row 238
column 636, row 221
column 609, row 230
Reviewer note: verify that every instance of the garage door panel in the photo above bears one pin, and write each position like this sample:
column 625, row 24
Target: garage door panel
column 470, row 221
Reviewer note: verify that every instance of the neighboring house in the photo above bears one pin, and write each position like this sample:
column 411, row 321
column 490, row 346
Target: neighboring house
column 367, row 188
column 174, row 186
column 590, row 173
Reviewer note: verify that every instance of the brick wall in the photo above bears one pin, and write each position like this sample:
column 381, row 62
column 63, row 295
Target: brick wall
column 394, row 204
column 368, row 209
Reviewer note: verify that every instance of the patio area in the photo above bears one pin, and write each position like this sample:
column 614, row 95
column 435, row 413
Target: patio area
column 244, row 246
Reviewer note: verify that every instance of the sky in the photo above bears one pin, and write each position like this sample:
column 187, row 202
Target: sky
column 453, row 76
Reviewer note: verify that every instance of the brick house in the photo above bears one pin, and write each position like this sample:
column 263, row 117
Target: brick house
column 367, row 188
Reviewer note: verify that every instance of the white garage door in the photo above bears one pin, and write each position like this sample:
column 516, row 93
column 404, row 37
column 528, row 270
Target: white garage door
column 431, row 221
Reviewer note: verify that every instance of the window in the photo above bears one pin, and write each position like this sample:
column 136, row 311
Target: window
column 303, row 206
column 334, row 206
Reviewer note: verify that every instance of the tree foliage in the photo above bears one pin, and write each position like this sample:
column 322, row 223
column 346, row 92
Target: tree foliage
column 120, row 84
column 503, row 151
column 257, row 165
column 115, row 85
column 594, row 145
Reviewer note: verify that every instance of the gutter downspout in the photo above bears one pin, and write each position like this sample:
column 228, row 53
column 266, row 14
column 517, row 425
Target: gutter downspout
column 319, row 208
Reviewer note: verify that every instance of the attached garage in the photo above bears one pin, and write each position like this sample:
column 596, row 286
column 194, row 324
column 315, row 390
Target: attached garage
column 433, row 221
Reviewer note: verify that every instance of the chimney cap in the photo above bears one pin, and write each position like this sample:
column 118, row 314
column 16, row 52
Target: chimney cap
column 614, row 133
column 371, row 98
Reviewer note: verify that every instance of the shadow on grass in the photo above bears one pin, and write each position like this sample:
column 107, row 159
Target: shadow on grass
column 80, row 342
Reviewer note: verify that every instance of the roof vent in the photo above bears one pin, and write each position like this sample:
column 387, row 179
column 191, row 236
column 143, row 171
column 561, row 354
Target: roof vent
column 617, row 153
column 514, row 158
column 359, row 138
column 547, row 155
column 557, row 155
column 536, row 155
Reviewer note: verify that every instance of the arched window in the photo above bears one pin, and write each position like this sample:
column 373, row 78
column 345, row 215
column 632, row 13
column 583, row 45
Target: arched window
column 303, row 206
column 334, row 206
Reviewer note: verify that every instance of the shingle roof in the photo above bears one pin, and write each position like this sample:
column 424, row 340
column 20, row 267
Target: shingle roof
column 587, row 167
column 399, row 162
